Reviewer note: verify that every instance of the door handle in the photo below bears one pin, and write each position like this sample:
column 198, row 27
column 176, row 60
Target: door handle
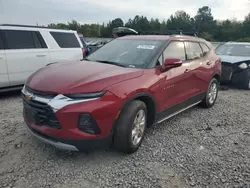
column 1, row 57
column 209, row 63
column 187, row 70
column 40, row 55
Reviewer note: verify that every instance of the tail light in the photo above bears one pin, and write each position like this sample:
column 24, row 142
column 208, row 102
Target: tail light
column 83, row 52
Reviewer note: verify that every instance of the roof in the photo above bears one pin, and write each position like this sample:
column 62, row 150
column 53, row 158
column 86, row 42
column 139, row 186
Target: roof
column 161, row 37
column 33, row 27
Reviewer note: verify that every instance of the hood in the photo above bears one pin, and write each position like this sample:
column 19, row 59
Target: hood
column 233, row 59
column 79, row 77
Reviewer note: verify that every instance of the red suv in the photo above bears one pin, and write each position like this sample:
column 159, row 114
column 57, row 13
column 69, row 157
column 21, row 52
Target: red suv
column 115, row 93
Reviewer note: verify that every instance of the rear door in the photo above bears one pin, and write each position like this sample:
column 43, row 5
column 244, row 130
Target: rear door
column 195, row 58
column 207, row 68
column 4, row 79
column 65, row 46
column 26, row 52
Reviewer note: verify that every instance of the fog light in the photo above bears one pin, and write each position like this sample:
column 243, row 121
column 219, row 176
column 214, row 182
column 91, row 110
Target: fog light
column 87, row 123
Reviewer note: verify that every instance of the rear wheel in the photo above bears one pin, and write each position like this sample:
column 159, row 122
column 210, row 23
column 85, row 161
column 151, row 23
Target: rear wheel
column 130, row 127
column 211, row 94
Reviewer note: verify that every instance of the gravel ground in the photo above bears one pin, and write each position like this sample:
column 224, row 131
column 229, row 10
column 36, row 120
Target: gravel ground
column 198, row 148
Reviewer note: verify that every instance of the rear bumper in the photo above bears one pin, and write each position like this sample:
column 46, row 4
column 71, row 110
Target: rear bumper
column 71, row 145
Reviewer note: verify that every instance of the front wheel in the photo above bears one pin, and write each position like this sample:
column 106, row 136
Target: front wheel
column 130, row 127
column 211, row 94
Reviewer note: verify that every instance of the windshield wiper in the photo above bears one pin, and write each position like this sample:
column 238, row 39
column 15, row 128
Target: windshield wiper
column 111, row 63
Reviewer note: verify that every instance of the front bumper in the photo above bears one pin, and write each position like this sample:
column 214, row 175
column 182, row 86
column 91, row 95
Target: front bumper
column 69, row 144
column 56, row 120
column 232, row 74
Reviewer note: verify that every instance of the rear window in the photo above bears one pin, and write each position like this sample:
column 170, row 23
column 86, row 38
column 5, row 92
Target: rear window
column 17, row 39
column 127, row 52
column 65, row 40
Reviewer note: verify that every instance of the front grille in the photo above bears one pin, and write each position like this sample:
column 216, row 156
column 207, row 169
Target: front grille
column 40, row 113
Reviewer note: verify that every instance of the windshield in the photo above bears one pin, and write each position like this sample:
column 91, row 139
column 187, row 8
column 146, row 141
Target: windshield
column 234, row 50
column 128, row 53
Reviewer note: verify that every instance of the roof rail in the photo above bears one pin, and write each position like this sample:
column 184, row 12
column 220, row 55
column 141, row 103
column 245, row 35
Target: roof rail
column 168, row 32
column 31, row 26
column 122, row 31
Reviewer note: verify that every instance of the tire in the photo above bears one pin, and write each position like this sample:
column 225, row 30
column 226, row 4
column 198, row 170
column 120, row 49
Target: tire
column 207, row 102
column 123, row 139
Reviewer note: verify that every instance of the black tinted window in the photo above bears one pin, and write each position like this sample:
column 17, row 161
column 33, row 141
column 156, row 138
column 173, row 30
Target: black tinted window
column 175, row 50
column 1, row 41
column 204, row 48
column 66, row 40
column 19, row 39
column 38, row 40
column 193, row 50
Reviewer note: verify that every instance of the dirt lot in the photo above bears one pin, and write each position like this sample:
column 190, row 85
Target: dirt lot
column 198, row 148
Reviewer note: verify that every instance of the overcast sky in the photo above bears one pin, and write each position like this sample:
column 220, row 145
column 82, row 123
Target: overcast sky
column 98, row 11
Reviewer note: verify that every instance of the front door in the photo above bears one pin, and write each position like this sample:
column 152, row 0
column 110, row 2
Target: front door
column 177, row 80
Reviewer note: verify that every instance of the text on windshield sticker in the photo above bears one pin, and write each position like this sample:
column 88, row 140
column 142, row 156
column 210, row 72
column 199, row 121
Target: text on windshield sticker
column 147, row 47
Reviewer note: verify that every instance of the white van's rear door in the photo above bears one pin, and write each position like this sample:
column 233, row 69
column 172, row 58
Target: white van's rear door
column 63, row 45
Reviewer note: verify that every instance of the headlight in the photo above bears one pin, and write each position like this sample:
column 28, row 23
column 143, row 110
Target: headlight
column 85, row 95
column 243, row 66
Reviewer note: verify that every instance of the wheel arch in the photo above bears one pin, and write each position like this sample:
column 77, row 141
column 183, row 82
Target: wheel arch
column 217, row 76
column 150, row 103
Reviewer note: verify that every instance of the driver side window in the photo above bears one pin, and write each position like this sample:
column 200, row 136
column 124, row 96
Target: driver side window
column 175, row 49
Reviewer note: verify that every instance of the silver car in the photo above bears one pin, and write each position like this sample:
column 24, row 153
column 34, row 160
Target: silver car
column 235, row 57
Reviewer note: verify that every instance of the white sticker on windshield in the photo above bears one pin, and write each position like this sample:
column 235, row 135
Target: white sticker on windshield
column 147, row 47
column 247, row 46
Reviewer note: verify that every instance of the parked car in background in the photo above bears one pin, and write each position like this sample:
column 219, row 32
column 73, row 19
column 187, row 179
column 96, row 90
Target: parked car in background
column 25, row 49
column 116, row 92
column 85, row 46
column 235, row 58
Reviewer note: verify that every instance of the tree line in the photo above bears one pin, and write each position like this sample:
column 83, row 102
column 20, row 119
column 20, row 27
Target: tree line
column 203, row 23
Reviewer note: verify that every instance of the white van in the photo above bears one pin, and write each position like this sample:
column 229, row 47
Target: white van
column 25, row 49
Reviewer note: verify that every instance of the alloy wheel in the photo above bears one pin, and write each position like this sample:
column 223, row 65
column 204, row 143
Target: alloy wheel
column 138, row 127
column 212, row 93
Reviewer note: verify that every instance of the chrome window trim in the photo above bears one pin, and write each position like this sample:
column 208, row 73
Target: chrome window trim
column 58, row 102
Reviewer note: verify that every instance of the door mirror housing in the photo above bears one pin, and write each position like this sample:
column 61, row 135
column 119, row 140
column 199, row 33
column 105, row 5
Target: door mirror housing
column 171, row 63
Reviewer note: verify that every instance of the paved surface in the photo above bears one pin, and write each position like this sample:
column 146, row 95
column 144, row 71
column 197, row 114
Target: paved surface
column 198, row 148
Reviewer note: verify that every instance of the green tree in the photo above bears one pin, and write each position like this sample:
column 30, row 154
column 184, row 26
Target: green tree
column 180, row 21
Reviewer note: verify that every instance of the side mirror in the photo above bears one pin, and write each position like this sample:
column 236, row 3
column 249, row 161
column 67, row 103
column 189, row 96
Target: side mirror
column 171, row 63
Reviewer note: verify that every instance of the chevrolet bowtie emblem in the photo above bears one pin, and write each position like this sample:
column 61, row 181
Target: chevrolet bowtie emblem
column 28, row 97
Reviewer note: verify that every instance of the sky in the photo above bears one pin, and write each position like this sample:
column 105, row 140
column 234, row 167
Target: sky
column 43, row 12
